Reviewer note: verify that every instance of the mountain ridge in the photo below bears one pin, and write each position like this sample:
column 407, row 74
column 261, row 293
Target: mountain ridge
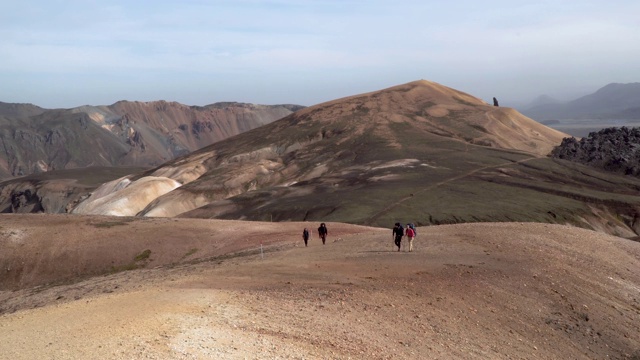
column 19, row 109
column 128, row 133
column 612, row 101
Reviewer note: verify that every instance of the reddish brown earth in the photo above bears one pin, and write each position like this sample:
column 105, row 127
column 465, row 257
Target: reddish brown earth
column 127, row 133
column 205, row 291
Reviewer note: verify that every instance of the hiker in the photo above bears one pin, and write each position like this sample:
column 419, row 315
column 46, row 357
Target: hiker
column 413, row 226
column 305, row 236
column 323, row 232
column 398, row 233
column 411, row 233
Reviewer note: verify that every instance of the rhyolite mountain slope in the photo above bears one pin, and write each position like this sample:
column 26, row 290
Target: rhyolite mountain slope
column 392, row 125
column 613, row 101
column 419, row 152
column 36, row 140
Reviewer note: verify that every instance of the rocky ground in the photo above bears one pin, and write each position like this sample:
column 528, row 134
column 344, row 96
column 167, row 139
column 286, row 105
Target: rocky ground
column 485, row 291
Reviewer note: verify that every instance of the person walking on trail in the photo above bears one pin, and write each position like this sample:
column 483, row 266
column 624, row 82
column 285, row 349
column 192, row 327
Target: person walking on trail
column 305, row 236
column 415, row 231
column 413, row 226
column 411, row 233
column 398, row 233
column 323, row 232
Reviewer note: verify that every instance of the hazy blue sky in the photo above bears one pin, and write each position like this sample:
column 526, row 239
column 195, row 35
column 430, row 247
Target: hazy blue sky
column 70, row 53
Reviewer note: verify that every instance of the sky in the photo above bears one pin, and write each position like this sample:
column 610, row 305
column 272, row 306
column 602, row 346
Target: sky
column 63, row 54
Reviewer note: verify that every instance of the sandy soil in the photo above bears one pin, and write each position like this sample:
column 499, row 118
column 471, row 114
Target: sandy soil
column 484, row 291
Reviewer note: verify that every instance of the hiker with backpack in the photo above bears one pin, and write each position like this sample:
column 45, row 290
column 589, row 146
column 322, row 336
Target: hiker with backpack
column 323, row 232
column 398, row 233
column 411, row 225
column 411, row 234
column 305, row 236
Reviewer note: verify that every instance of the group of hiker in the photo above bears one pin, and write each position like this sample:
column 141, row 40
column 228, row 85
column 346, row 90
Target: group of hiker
column 322, row 234
column 398, row 233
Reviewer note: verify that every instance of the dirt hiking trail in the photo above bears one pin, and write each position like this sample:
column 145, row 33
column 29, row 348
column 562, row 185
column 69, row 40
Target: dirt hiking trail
column 470, row 291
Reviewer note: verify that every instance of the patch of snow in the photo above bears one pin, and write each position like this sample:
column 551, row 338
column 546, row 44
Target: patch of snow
column 397, row 163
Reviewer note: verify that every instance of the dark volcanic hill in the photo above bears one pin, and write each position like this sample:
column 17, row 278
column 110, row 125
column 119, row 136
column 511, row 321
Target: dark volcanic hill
column 123, row 134
column 418, row 152
column 614, row 101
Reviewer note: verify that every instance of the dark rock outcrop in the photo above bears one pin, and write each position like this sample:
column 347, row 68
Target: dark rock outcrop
column 612, row 149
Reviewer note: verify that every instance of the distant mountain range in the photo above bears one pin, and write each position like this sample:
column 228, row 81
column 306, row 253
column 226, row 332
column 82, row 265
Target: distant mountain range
column 614, row 101
column 126, row 133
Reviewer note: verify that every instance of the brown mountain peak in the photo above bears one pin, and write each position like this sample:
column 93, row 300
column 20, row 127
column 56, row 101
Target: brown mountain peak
column 423, row 107
column 400, row 126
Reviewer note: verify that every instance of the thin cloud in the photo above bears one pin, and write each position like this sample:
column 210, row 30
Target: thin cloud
column 517, row 47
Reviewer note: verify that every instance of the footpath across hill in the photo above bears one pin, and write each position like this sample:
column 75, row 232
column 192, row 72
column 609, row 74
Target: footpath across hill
column 491, row 290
